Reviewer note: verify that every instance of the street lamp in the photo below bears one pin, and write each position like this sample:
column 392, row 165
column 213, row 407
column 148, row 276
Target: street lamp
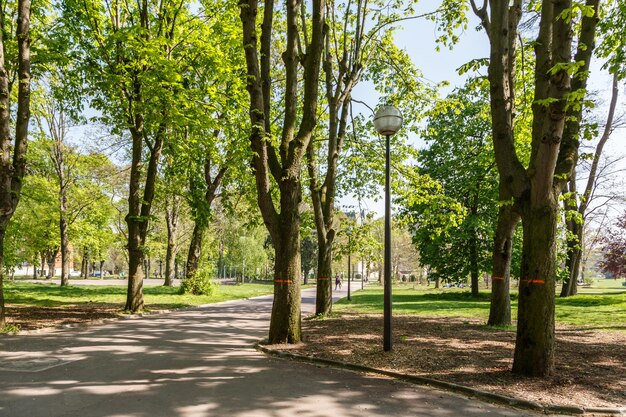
column 349, row 233
column 387, row 121
column 351, row 216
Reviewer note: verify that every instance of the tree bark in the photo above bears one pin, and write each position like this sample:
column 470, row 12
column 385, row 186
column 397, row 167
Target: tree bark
column 43, row 265
column 171, row 219
column 139, row 207
column 576, row 226
column 574, row 240
column 534, row 345
column 52, row 254
column 13, row 153
column 134, row 295
column 65, row 243
column 3, row 226
column 474, row 268
column 84, row 272
column 553, row 155
column 324, row 287
column 284, row 162
column 285, row 326
column 500, row 308
column 195, row 249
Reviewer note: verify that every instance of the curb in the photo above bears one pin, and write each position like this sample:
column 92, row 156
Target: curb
column 449, row 386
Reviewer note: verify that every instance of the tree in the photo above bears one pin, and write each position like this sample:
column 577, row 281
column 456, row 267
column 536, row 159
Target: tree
column 133, row 57
column 13, row 146
column 560, row 85
column 459, row 156
column 279, row 158
column 614, row 262
column 611, row 49
column 360, row 35
column 576, row 206
column 52, row 121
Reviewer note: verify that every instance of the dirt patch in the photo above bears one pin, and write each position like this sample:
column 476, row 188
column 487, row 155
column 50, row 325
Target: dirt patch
column 590, row 364
column 33, row 318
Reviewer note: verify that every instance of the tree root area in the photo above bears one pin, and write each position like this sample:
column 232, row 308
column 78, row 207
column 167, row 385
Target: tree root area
column 590, row 362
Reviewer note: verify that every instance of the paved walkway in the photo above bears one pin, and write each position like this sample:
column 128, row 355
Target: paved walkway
column 197, row 362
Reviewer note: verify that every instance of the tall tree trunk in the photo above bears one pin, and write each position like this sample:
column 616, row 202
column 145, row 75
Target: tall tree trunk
column 284, row 162
column 65, row 259
column 134, row 300
column 134, row 296
column 85, row 264
column 473, row 247
column 42, row 272
column 574, row 241
column 35, row 266
column 13, row 152
column 576, row 226
column 202, row 218
column 285, row 326
column 171, row 219
column 139, row 210
column 3, row 225
column 534, row 345
column 195, row 249
column 324, row 293
column 52, row 254
column 500, row 308
column 220, row 259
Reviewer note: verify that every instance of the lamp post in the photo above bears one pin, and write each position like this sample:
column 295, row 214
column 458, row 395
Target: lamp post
column 387, row 121
column 349, row 232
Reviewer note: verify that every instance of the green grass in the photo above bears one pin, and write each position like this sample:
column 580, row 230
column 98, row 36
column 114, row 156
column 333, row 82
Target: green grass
column 604, row 286
column 51, row 295
column 601, row 311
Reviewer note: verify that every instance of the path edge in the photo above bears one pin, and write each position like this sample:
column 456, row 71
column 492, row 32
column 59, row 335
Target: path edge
column 449, row 386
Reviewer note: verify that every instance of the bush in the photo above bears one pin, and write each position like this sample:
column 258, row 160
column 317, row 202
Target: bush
column 199, row 284
column 10, row 328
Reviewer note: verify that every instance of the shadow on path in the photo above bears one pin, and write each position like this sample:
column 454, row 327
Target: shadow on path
column 196, row 363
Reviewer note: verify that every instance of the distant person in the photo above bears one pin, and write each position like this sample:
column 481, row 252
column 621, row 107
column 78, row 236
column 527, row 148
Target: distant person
column 337, row 282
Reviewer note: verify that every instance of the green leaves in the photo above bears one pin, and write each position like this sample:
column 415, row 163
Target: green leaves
column 454, row 204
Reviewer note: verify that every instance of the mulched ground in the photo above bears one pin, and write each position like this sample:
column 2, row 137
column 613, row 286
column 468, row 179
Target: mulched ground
column 590, row 364
column 33, row 318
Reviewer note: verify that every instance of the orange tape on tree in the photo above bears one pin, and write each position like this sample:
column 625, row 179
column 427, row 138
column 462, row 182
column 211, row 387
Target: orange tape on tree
column 534, row 281
column 498, row 278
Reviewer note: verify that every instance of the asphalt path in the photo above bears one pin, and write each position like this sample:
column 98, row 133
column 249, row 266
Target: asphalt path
column 198, row 362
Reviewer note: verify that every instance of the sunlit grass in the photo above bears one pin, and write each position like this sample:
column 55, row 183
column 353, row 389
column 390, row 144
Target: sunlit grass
column 606, row 311
column 52, row 295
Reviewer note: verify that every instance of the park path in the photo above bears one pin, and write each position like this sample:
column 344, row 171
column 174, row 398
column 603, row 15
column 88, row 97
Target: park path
column 198, row 362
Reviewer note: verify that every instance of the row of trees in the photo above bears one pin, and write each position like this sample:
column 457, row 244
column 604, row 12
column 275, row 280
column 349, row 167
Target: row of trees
column 197, row 95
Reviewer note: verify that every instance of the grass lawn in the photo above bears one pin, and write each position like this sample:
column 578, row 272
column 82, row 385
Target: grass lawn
column 599, row 311
column 52, row 295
